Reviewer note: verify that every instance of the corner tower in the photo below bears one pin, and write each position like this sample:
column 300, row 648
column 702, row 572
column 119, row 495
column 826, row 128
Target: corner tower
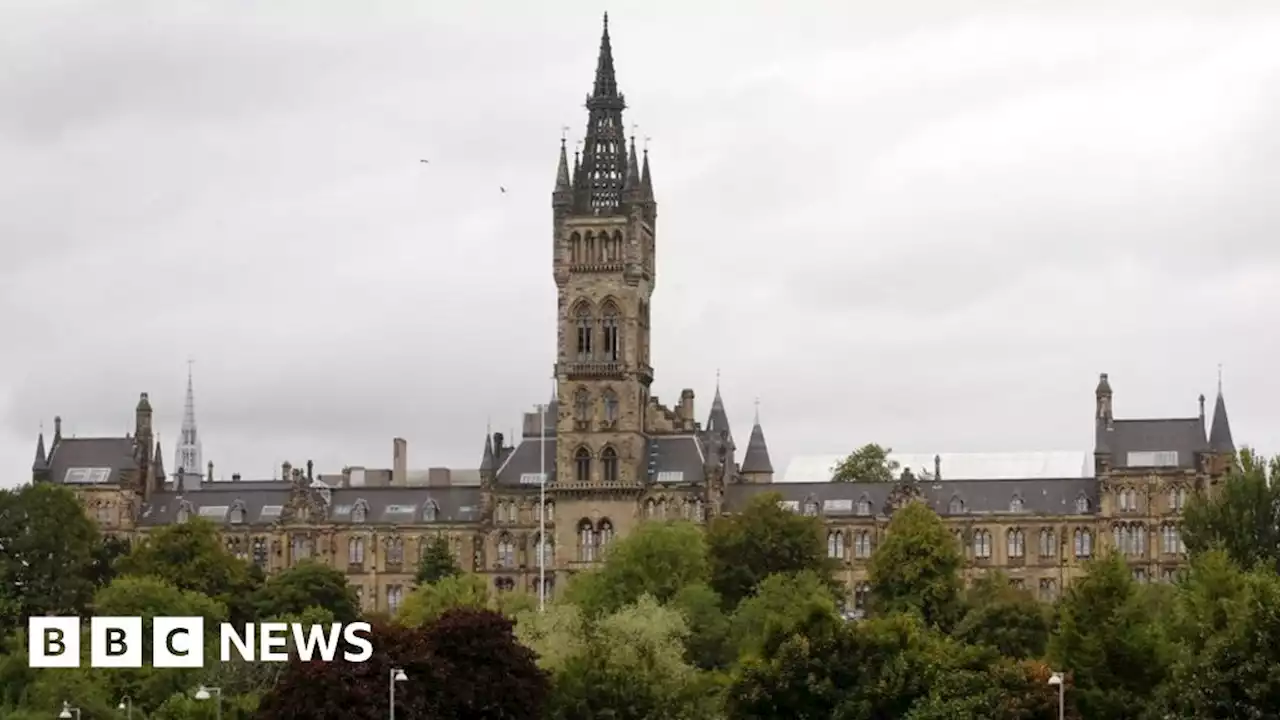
column 603, row 264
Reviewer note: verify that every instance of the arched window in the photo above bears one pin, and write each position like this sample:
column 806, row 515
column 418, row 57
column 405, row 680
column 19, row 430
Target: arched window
column 1016, row 543
column 360, row 512
column 582, row 405
column 610, row 407
column 1015, row 504
column 430, row 511
column 835, row 545
column 862, row 544
column 575, row 248
column 982, row 544
column 1177, row 498
column 584, row 332
column 506, row 551
column 586, row 541
column 811, row 507
column 617, row 247
column 864, row 506
column 1083, row 541
column 1048, row 543
column 395, row 551
column 355, row 551
column 956, row 507
column 609, row 332
column 582, row 465
column 1082, row 505
column 548, row 550
column 589, row 252
column 260, row 552
column 605, row 534
column 609, row 465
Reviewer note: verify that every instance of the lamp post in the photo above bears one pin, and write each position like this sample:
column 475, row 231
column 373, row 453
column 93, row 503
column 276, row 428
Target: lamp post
column 1057, row 679
column 397, row 675
column 68, row 712
column 204, row 693
column 126, row 704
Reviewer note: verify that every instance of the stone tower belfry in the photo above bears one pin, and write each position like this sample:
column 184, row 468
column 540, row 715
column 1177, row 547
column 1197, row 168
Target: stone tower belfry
column 604, row 271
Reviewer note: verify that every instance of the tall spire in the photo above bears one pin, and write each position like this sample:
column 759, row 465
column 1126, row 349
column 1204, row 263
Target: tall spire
column 646, row 181
column 603, row 171
column 41, row 460
column 188, row 453
column 757, row 461
column 1220, row 439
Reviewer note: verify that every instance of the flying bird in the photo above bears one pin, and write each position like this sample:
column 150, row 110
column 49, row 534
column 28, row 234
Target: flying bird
column 425, row 161
column 504, row 190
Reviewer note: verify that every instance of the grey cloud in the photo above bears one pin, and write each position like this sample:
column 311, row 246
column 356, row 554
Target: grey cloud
column 922, row 226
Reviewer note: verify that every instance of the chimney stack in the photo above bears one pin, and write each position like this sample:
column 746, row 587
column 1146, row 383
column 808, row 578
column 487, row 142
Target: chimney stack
column 399, row 462
column 209, row 474
column 235, row 477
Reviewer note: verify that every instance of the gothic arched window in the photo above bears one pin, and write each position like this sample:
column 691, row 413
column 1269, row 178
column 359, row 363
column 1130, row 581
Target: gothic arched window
column 1048, row 543
column 575, row 248
column 650, row 508
column 956, row 507
column 586, row 541
column 582, row 465
column 610, row 407
column 355, row 551
column 582, row 405
column 605, row 535
column 615, row 248
column 1082, row 505
column 1015, row 504
column 359, row 512
column 583, row 319
column 548, row 550
column 589, row 254
column 864, row 506
column 609, row 465
column 835, row 545
column 506, row 551
column 1015, row 543
column 609, row 332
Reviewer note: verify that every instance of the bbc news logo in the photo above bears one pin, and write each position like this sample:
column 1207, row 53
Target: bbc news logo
column 178, row 642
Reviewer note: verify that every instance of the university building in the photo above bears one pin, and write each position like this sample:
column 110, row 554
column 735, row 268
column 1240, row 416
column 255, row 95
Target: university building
column 612, row 455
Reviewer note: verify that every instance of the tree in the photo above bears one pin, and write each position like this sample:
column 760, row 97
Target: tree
column 980, row 686
column 916, row 568
column 782, row 604
column 630, row 665
column 708, row 644
column 869, row 463
column 437, row 562
column 306, row 585
column 762, row 540
column 467, row 664
column 1228, row 627
column 1004, row 618
column 1241, row 515
column 191, row 556
column 828, row 668
column 426, row 603
column 48, row 549
column 658, row 559
column 1111, row 642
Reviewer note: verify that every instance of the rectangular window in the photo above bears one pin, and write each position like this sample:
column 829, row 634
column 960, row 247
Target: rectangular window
column 1160, row 458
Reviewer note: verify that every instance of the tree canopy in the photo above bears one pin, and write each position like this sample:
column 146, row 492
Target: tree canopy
column 869, row 463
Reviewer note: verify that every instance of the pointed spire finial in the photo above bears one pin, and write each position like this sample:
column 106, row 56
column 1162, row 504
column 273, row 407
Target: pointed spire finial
column 1219, row 378
column 564, row 134
column 757, row 410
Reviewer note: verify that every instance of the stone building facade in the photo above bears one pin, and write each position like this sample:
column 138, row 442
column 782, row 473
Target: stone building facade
column 612, row 455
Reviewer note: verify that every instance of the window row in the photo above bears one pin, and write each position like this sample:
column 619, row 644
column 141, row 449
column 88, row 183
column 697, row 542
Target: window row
column 664, row 509
column 956, row 506
column 598, row 338
column 582, row 461
column 838, row 540
column 594, row 249
column 508, row 512
column 1127, row 499
column 582, row 406
column 593, row 539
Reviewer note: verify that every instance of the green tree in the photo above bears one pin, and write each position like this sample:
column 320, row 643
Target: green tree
column 426, row 603
column 869, row 463
column 437, row 562
column 1241, row 515
column 977, row 685
column 191, row 556
column 306, row 585
column 763, row 540
column 1006, row 619
column 1228, row 627
column 916, row 568
column 48, row 551
column 708, row 643
column 658, row 559
column 1108, row 638
column 630, row 665
column 828, row 668
column 782, row 604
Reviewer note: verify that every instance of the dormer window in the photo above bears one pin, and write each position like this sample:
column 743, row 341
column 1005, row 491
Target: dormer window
column 1082, row 505
column 1015, row 504
column 237, row 514
column 360, row 512
column 956, row 507
column 430, row 511
column 864, row 507
column 811, row 508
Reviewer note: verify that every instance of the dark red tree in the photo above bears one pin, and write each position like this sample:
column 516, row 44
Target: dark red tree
column 467, row 664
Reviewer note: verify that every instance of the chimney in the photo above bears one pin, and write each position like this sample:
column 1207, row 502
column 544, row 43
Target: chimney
column 439, row 477
column 57, row 428
column 285, row 470
column 235, row 477
column 209, row 474
column 310, row 467
column 686, row 406
column 181, row 477
column 497, row 443
column 399, row 462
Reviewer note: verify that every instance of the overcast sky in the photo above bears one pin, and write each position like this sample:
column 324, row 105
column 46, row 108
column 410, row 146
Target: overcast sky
column 929, row 227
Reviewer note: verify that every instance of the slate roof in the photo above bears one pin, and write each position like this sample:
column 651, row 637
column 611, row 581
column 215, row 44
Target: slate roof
column 1220, row 431
column 262, row 501
column 1120, row 438
column 672, row 458
column 1038, row 496
column 112, row 454
column 757, row 458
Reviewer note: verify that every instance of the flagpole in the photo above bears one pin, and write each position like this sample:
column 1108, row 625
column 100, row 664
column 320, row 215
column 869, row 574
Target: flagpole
column 542, row 508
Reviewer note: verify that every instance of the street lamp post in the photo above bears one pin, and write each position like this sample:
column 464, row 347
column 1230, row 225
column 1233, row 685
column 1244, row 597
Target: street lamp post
column 1057, row 679
column 126, row 704
column 396, row 675
column 68, row 712
column 204, row 693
